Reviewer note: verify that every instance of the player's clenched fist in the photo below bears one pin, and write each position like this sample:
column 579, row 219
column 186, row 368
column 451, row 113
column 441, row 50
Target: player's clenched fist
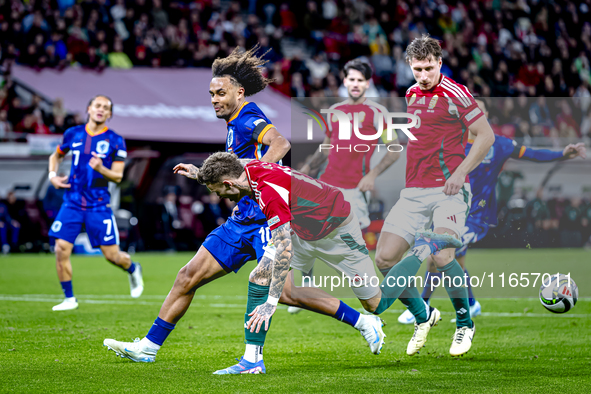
column 96, row 162
column 188, row 170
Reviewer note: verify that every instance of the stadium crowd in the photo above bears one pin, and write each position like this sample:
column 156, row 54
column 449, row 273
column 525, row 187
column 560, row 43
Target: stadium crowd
column 496, row 48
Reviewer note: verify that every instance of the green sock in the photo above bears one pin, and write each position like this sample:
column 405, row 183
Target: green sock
column 457, row 294
column 257, row 295
column 411, row 298
column 399, row 274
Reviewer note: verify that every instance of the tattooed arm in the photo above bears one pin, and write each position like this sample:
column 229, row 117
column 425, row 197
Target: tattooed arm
column 280, row 269
column 188, row 170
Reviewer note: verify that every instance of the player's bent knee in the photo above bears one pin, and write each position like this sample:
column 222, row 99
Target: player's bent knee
column 370, row 305
column 443, row 259
column 111, row 258
column 259, row 277
column 285, row 299
column 386, row 262
column 62, row 252
column 187, row 280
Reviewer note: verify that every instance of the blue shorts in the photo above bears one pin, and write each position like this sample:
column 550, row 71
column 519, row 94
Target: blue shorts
column 244, row 237
column 101, row 226
column 473, row 231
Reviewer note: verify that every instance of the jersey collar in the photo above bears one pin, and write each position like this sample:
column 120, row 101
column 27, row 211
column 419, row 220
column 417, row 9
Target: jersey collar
column 95, row 134
column 237, row 112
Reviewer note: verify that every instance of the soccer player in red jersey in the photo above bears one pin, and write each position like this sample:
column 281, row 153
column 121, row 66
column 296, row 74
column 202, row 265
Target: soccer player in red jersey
column 246, row 235
column 308, row 219
column 358, row 179
column 437, row 190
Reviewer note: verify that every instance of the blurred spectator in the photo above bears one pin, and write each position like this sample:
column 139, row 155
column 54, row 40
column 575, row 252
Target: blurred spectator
column 170, row 215
column 5, row 126
column 117, row 58
column 571, row 224
column 215, row 212
column 8, row 228
column 53, row 201
column 16, row 211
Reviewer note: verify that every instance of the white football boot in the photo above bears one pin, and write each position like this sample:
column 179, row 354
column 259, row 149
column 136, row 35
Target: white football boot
column 135, row 351
column 406, row 317
column 67, row 305
column 419, row 338
column 476, row 309
column 294, row 309
column 371, row 328
column 462, row 340
column 136, row 282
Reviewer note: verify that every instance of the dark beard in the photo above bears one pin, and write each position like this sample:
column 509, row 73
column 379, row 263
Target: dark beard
column 356, row 99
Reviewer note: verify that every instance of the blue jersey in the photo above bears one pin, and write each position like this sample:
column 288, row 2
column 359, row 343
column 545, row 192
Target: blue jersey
column 246, row 130
column 89, row 189
column 483, row 179
column 245, row 235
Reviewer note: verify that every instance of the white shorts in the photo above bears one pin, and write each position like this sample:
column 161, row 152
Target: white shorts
column 344, row 250
column 419, row 208
column 359, row 204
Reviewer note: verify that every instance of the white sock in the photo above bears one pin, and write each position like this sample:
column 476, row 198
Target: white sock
column 422, row 252
column 359, row 322
column 146, row 343
column 71, row 299
column 428, row 308
column 253, row 353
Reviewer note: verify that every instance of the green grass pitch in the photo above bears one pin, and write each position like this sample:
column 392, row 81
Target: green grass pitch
column 519, row 347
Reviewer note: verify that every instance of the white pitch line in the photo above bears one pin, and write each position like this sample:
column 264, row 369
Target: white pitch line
column 90, row 299
column 122, row 296
column 515, row 314
column 54, row 299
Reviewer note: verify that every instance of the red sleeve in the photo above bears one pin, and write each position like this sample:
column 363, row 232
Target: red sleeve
column 467, row 106
column 271, row 187
column 276, row 209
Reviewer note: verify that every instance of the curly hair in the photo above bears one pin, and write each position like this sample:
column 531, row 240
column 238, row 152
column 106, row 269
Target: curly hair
column 422, row 48
column 218, row 166
column 244, row 70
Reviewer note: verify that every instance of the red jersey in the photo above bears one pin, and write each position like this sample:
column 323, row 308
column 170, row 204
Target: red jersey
column 445, row 111
column 346, row 166
column 314, row 209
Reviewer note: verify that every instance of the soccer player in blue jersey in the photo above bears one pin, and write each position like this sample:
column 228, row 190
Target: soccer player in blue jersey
column 483, row 212
column 246, row 235
column 98, row 155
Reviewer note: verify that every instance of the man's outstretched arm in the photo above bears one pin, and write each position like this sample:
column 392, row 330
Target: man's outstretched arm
column 545, row 155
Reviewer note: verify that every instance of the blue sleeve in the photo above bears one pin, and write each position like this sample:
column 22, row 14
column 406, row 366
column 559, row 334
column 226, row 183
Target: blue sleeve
column 537, row 155
column 255, row 124
column 65, row 147
column 119, row 150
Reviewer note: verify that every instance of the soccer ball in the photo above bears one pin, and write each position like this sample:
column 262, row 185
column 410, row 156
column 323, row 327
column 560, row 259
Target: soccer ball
column 559, row 294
